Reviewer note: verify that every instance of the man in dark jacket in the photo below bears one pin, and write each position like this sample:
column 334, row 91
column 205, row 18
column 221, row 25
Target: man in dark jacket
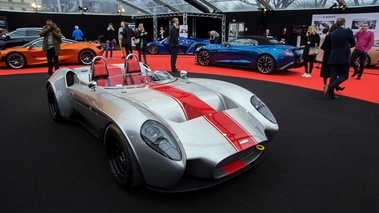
column 174, row 43
column 127, row 34
column 342, row 40
column 51, row 46
column 110, row 36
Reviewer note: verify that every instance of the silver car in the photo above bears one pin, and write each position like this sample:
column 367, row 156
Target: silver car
column 166, row 133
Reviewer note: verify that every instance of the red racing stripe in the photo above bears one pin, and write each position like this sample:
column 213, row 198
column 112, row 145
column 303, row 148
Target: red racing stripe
column 193, row 107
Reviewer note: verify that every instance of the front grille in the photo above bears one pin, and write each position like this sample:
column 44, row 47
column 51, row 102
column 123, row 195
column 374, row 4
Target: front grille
column 247, row 156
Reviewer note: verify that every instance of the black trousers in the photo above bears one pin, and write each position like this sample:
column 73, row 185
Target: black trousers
column 52, row 60
column 362, row 55
column 174, row 56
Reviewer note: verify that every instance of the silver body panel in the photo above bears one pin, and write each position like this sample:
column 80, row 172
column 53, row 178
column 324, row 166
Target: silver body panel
column 202, row 143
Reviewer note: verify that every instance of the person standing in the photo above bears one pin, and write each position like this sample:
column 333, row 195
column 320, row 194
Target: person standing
column 325, row 67
column 120, row 37
column 142, row 45
column 320, row 55
column 51, row 46
column 312, row 39
column 162, row 33
column 267, row 33
column 110, row 37
column 174, row 43
column 342, row 40
column 214, row 37
column 127, row 35
column 283, row 38
column 365, row 41
column 77, row 34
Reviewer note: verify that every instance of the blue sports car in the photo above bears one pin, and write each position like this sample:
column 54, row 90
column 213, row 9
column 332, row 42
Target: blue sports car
column 258, row 52
column 186, row 45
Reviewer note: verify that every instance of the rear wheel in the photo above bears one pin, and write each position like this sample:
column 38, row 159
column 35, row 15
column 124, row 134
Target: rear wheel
column 121, row 160
column 266, row 64
column 16, row 60
column 204, row 57
column 86, row 56
column 153, row 49
column 53, row 105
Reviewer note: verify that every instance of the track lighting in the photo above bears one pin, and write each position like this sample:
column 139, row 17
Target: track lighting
column 84, row 9
column 262, row 10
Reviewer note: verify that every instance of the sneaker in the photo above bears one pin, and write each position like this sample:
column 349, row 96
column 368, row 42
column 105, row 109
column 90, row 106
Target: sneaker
column 308, row 75
column 305, row 74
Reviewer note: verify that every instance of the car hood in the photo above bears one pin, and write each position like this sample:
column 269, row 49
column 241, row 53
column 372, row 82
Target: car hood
column 204, row 123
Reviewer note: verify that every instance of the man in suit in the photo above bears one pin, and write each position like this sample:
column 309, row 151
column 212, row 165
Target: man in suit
column 127, row 34
column 174, row 43
column 342, row 40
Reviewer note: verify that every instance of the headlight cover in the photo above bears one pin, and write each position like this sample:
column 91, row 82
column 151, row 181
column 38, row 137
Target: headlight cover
column 159, row 138
column 262, row 108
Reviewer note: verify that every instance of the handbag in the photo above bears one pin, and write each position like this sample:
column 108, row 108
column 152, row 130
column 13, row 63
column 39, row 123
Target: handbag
column 137, row 41
column 313, row 50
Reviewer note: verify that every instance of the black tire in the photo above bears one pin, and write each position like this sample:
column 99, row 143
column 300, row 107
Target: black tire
column 53, row 105
column 153, row 49
column 86, row 56
column 367, row 61
column 266, row 64
column 15, row 60
column 121, row 160
column 204, row 57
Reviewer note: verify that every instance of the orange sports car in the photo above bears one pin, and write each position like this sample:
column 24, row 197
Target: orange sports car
column 31, row 53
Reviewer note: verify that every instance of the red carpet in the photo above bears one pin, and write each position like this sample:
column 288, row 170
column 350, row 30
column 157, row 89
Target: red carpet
column 365, row 89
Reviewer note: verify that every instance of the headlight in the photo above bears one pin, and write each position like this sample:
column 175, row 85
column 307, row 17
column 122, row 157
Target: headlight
column 157, row 137
column 262, row 108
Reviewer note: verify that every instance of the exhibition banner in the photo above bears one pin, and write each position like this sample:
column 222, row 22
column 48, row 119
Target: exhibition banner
column 353, row 21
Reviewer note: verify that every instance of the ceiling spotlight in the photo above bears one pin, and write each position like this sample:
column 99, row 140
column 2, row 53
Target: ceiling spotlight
column 262, row 10
column 120, row 10
column 85, row 8
column 342, row 7
column 333, row 7
column 36, row 6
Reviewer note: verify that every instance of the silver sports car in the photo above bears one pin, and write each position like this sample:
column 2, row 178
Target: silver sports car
column 166, row 133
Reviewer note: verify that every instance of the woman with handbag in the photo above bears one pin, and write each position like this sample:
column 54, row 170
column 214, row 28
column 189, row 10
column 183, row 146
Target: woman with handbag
column 140, row 40
column 311, row 40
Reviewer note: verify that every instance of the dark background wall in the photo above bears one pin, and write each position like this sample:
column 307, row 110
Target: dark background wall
column 256, row 23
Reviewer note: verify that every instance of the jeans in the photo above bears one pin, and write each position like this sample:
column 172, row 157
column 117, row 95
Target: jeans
column 50, row 58
column 354, row 56
column 110, row 46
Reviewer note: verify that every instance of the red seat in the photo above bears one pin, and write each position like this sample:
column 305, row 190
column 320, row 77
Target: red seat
column 116, row 76
column 100, row 74
column 132, row 66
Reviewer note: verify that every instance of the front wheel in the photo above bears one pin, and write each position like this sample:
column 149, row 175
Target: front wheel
column 53, row 105
column 266, row 64
column 153, row 49
column 204, row 57
column 121, row 160
column 86, row 56
column 16, row 60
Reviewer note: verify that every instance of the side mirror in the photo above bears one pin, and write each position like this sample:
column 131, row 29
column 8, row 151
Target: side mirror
column 92, row 85
column 7, row 37
column 183, row 74
column 30, row 47
column 226, row 44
